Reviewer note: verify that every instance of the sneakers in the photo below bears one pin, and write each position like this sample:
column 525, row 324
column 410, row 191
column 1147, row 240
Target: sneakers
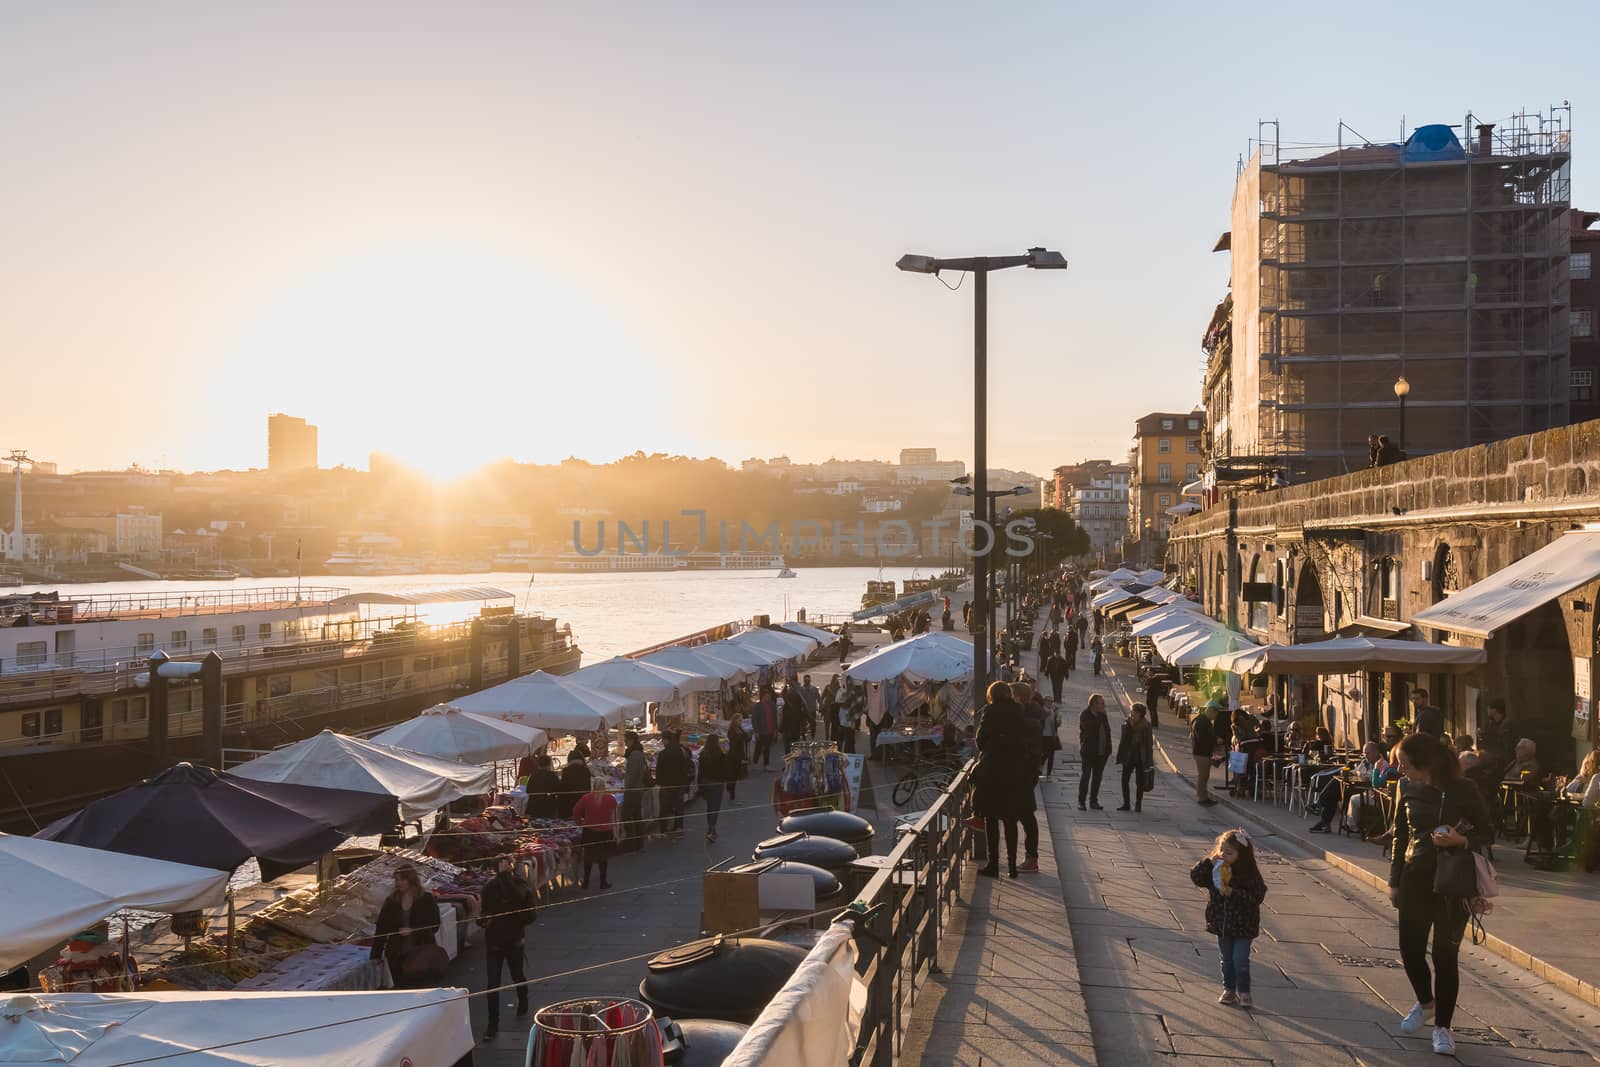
column 1415, row 1018
column 1228, row 997
column 1245, row 1001
column 1030, row 864
column 1444, row 1042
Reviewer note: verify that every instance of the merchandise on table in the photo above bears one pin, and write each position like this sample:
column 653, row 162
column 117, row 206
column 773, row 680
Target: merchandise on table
column 813, row 775
column 91, row 963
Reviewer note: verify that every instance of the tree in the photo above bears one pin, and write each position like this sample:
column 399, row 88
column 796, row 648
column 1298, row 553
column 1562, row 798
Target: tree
column 1067, row 539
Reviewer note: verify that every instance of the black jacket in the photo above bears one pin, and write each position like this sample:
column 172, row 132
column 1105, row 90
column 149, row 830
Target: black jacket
column 674, row 768
column 1236, row 915
column 507, row 909
column 1202, row 735
column 422, row 920
column 1136, row 748
column 1422, row 808
column 575, row 782
column 795, row 718
column 1094, row 735
column 715, row 767
column 1055, row 668
column 544, row 789
column 1003, row 780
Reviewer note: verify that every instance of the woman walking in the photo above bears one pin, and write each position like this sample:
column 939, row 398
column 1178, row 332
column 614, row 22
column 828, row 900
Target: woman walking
column 716, row 772
column 1094, row 748
column 1135, row 754
column 408, row 923
column 1439, row 812
column 1003, row 779
column 738, row 742
column 596, row 813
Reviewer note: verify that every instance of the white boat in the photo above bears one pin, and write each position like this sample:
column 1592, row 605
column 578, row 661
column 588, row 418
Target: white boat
column 787, row 573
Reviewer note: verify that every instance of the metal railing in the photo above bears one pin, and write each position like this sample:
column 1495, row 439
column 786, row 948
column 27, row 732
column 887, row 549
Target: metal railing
column 900, row 915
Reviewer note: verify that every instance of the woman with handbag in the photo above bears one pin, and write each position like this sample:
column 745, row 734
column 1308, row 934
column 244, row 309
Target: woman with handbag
column 1136, row 754
column 406, row 937
column 1433, row 877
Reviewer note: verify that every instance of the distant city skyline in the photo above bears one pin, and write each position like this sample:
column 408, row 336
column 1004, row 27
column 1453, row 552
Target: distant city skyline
column 455, row 235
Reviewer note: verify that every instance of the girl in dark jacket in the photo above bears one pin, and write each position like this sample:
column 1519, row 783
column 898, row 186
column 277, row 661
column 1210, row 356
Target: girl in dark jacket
column 1438, row 810
column 408, row 920
column 738, row 752
column 1235, row 890
column 1003, row 780
column 1135, row 754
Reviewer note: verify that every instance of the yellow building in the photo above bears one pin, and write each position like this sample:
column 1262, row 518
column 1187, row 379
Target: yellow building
column 1168, row 454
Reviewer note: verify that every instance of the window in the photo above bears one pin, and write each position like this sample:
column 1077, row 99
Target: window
column 30, row 724
column 208, row 637
column 32, row 653
column 1164, row 500
column 238, row 635
column 1583, row 385
column 279, row 684
column 1191, row 471
column 45, row 723
column 264, row 631
column 180, row 639
column 1582, row 322
column 1164, row 445
column 1166, row 424
column 144, row 644
column 1580, row 265
column 1194, row 424
column 1192, row 444
column 1164, row 473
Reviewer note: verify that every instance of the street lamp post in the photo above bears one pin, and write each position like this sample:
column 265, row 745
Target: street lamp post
column 990, row 597
column 1402, row 389
column 980, row 266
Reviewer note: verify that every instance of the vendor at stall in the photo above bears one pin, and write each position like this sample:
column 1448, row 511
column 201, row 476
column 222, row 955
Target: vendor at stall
column 544, row 791
column 405, row 936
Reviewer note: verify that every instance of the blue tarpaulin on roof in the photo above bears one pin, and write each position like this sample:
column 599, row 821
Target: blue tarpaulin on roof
column 1436, row 142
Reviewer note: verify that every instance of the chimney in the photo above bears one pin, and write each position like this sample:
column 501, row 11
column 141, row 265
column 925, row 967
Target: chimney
column 1486, row 139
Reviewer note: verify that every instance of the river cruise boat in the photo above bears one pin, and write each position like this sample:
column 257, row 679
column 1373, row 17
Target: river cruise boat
column 74, row 675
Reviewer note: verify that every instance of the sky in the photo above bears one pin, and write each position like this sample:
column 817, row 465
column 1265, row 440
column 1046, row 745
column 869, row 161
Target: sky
column 459, row 233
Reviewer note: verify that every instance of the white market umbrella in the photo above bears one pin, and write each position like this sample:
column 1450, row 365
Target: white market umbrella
column 421, row 784
column 551, row 702
column 642, row 681
column 696, row 661
column 753, row 658
column 422, row 1026
column 1350, row 655
column 449, row 733
column 792, row 645
column 1194, row 647
column 816, row 633
column 1117, row 595
column 53, row 890
column 917, row 658
column 1152, row 576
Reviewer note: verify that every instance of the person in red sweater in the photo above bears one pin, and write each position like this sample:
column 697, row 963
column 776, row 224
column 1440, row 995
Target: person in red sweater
column 596, row 814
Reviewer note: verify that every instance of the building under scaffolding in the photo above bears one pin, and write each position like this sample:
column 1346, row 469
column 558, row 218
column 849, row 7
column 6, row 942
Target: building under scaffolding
column 1442, row 259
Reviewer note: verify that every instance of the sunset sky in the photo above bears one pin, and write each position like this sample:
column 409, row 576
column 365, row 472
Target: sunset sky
column 461, row 232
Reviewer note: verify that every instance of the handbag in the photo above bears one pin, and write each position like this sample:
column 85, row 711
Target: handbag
column 1147, row 779
column 1488, row 879
column 1455, row 874
column 425, row 965
column 1238, row 762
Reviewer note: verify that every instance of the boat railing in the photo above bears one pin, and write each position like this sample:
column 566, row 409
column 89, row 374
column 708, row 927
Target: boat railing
column 136, row 604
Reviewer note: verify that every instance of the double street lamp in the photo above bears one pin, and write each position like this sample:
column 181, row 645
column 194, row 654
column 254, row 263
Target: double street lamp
column 979, row 267
column 990, row 513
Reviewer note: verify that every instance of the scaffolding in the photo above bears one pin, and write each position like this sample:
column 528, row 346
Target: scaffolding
column 1440, row 257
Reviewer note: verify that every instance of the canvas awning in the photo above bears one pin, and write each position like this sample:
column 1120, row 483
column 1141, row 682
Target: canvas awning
column 1348, row 655
column 1195, row 647
column 792, row 644
column 926, row 657
column 639, row 680
column 1117, row 595
column 53, row 890
column 1369, row 626
column 1127, row 607
column 696, row 661
column 817, row 634
column 421, row 783
column 1510, row 593
column 184, row 1029
column 551, row 702
column 445, row 732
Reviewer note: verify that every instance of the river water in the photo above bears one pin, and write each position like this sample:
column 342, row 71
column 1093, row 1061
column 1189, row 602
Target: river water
column 610, row 614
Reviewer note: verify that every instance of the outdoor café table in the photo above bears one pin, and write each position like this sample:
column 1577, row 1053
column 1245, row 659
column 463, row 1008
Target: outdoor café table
column 1516, row 801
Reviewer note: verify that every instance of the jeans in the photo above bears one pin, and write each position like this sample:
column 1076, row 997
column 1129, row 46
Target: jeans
column 511, row 957
column 712, row 791
column 1055, row 688
column 1089, row 784
column 1030, row 835
column 1421, row 909
column 1137, row 773
column 1235, row 953
column 992, row 833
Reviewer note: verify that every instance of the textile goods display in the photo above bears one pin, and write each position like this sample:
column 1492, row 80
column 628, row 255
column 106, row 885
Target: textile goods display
column 816, row 1016
column 422, row 784
column 226, row 820
column 427, row 1026
column 595, row 1032
column 54, row 890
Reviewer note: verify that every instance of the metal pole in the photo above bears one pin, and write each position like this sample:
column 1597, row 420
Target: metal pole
column 980, row 479
column 1402, row 425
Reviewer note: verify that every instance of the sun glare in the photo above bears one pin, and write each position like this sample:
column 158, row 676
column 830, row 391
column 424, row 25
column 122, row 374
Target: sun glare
column 448, row 359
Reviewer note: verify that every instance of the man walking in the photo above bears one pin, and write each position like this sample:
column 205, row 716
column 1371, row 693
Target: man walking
column 1203, row 743
column 635, row 780
column 674, row 772
column 811, row 696
column 507, row 911
column 1094, row 748
column 1055, row 669
column 1034, row 718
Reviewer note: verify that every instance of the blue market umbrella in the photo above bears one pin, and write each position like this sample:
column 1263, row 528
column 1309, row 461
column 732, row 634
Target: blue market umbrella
column 204, row 818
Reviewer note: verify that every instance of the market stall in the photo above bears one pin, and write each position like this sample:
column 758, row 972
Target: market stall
column 422, row 784
column 446, row 732
column 553, row 703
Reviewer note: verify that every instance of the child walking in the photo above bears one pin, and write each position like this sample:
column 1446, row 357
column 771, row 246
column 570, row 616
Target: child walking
column 1235, row 890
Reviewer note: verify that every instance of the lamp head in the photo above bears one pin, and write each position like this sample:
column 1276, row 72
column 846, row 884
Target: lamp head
column 1401, row 386
column 918, row 264
column 1044, row 259
column 962, row 490
column 1021, row 490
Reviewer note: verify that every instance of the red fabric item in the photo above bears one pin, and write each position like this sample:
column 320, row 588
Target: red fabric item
column 595, row 811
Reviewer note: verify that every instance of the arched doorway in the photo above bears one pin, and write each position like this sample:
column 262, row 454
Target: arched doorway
column 1532, row 659
column 1307, row 617
column 1219, row 586
column 1260, row 610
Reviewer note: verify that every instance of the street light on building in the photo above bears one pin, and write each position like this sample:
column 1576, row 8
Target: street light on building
column 1402, row 389
column 980, row 266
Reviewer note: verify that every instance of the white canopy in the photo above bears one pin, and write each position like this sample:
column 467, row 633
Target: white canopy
column 449, row 733
column 420, row 783
column 816, row 633
column 422, row 1026
column 642, row 681
column 1115, row 595
column 1510, row 593
column 1192, row 647
column 792, row 645
column 753, row 658
column 1347, row 655
column 696, row 661
column 53, row 890
column 1182, row 628
column 929, row 657
column 768, row 655
column 1152, row 577
column 550, row 702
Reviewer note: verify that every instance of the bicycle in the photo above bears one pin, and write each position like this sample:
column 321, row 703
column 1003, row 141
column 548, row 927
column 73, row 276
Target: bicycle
column 927, row 777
